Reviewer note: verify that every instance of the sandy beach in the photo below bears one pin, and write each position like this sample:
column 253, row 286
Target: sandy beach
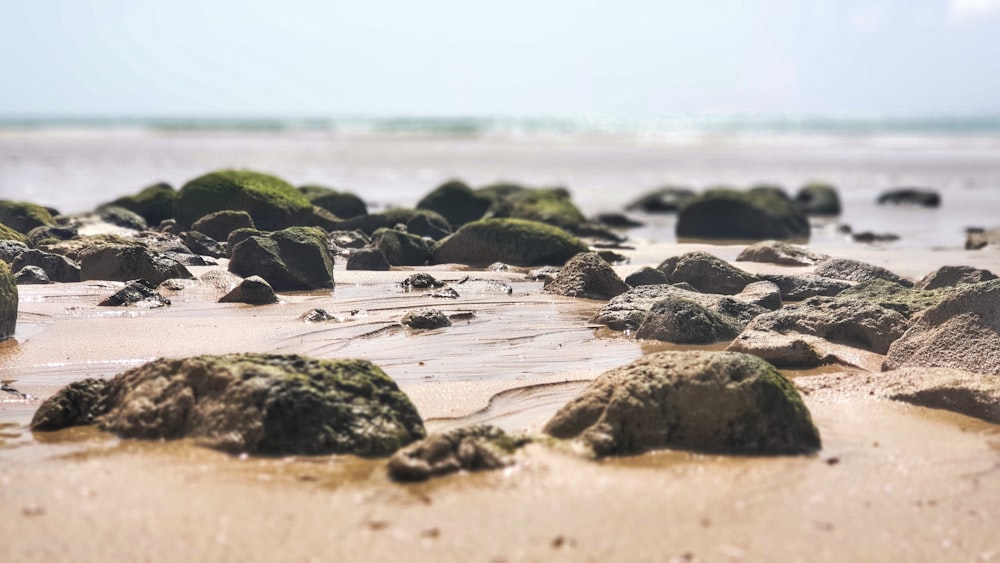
column 892, row 482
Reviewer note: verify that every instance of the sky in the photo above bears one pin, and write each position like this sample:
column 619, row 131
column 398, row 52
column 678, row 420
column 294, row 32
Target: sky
column 513, row 58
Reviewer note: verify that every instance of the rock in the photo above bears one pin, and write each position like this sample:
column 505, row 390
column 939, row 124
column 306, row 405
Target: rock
column 628, row 310
column 219, row 224
column 682, row 321
column 869, row 237
column 804, row 286
column 425, row 319
column 421, row 280
column 43, row 236
column 617, row 220
column 456, row 202
column 964, row 392
column 977, row 239
column 484, row 286
column 551, row 206
column 317, row 316
column 445, row 293
column 253, row 290
column 343, row 242
column 910, row 196
column 763, row 294
column 31, row 275
column 470, row 448
column 753, row 215
column 57, row 268
column 420, row 222
column 371, row 259
column 667, row 199
column 402, row 249
column 22, row 217
column 139, row 293
column 706, row 273
column 587, row 275
column 270, row 201
column 342, row 204
column 646, row 276
column 202, row 244
column 121, row 217
column 950, row 276
column 10, row 249
column 906, row 301
column 962, row 331
column 818, row 198
column 856, row 271
column 8, row 235
column 154, row 203
column 8, row 302
column 114, row 262
column 514, row 241
column 780, row 252
column 702, row 401
column 254, row 403
column 292, row 259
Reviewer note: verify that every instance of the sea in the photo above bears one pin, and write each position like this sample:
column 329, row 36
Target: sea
column 74, row 164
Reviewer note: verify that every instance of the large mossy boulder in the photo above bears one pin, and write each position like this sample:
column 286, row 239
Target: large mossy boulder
column 342, row 204
column 728, row 214
column 292, row 259
column 512, row 241
column 254, row 403
column 153, row 203
column 271, row 202
column 22, row 216
column 703, row 401
column 456, row 202
column 8, row 302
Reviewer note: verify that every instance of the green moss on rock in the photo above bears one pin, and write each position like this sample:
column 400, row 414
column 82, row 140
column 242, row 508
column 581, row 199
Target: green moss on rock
column 512, row 241
column 7, row 233
column 891, row 295
column 759, row 214
column 8, row 302
column 342, row 204
column 271, row 202
column 153, row 203
column 456, row 202
column 22, row 216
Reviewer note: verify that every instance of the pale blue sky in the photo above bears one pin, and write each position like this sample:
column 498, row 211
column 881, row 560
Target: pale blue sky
column 517, row 57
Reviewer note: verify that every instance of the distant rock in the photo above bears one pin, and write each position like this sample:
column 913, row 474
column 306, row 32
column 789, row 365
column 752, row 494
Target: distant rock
column 344, row 205
column 253, row 290
column 869, row 237
column 420, row 222
column 856, row 271
column 702, row 401
column 57, row 267
column 977, row 239
column 219, row 224
column 421, row 280
column 951, row 276
column 254, row 403
column 910, row 196
column 293, row 259
column 552, row 206
column 667, row 199
column 781, row 253
column 117, row 262
column 121, row 217
column 456, row 202
column 154, row 203
column 514, row 241
column 344, row 242
column 426, row 319
column 203, row 245
column 22, row 216
column 736, row 215
column 8, row 302
column 706, row 273
column 587, row 275
column 469, row 448
column 402, row 249
column 617, row 220
column 818, row 198
column 370, row 259
column 646, row 276
column 270, row 201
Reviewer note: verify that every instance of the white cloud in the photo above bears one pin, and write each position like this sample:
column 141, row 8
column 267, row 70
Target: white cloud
column 968, row 11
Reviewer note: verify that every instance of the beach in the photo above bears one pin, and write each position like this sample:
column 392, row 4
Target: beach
column 891, row 482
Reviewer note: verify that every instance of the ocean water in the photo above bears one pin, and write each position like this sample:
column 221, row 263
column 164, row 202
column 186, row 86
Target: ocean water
column 77, row 164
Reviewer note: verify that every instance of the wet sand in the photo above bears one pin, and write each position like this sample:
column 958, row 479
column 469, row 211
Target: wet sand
column 892, row 482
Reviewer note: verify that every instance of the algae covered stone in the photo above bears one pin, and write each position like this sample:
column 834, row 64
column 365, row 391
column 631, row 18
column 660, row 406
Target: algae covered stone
column 456, row 202
column 292, row 259
column 153, row 203
column 8, row 302
column 703, row 401
column 513, row 241
column 271, row 202
column 759, row 214
column 255, row 403
column 7, row 233
column 342, row 204
column 22, row 216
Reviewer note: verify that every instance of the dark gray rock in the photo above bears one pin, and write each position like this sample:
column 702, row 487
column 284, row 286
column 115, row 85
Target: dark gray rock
column 470, row 448
column 587, row 275
column 683, row 321
column 910, row 196
column 804, row 286
column 253, row 403
column 781, row 253
column 426, row 319
column 734, row 215
column 706, row 273
column 371, row 259
column 343, row 242
column 402, row 249
column 121, row 217
column 292, row 259
column 202, row 244
column 40, row 236
column 703, row 401
column 342, row 204
column 138, row 293
column 869, row 237
column 253, row 290
column 667, row 199
column 977, row 239
column 421, row 280
column 116, row 262
column 856, row 271
column 57, row 267
column 11, row 249
column 818, row 198
column 31, row 275
column 220, row 224
column 646, row 276
column 514, row 241
column 456, row 202
column 8, row 302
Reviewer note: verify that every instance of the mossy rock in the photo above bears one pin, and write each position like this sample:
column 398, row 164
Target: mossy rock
column 271, row 202
column 254, row 403
column 292, row 259
column 8, row 302
column 818, row 198
column 704, row 401
column 153, row 203
column 342, row 204
column 727, row 214
column 402, row 249
column 7, row 233
column 512, row 241
column 421, row 222
column 891, row 295
column 22, row 216
column 546, row 205
column 456, row 202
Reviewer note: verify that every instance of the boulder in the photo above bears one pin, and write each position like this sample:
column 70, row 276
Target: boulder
column 253, row 290
column 682, row 321
column 344, row 242
column 57, row 267
column 856, row 271
column 153, row 203
column 271, row 202
column 118, row 262
column 646, row 276
column 804, row 286
column 138, row 293
column 781, row 253
column 514, row 241
column 121, row 217
column 587, row 275
column 31, row 275
column 910, row 196
column 818, row 198
column 962, row 331
column 202, row 244
column 628, row 310
column 254, row 403
column 220, row 224
column 456, row 202
column 906, row 301
column 706, row 273
column 10, row 249
column 292, row 259
column 551, row 206
column 426, row 319
column 702, row 401
column 8, row 302
column 402, row 249
column 752, row 215
column 950, row 276
column 342, row 204
column 763, row 294
column 22, row 216
column 372, row 259
column 47, row 235
column 469, row 448
column 667, row 199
